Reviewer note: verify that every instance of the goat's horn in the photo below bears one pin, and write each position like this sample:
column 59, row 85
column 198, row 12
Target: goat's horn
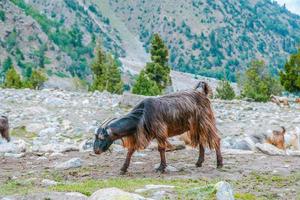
column 106, row 121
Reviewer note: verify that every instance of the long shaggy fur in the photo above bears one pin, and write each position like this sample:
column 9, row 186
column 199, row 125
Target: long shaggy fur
column 174, row 114
column 4, row 127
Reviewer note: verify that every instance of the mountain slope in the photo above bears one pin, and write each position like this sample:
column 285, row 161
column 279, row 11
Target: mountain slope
column 206, row 37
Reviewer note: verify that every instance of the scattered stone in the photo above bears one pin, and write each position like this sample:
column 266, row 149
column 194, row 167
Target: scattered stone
column 86, row 145
column 236, row 152
column 169, row 168
column 72, row 163
column 42, row 158
column 292, row 153
column 50, row 196
column 117, row 148
column 47, row 183
column 269, row 149
column 224, row 191
column 153, row 187
column 139, row 154
column 56, row 154
column 115, row 194
column 34, row 127
column 16, row 147
column 47, row 132
column 56, row 147
column 14, row 155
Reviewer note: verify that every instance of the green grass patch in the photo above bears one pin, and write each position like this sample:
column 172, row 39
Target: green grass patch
column 182, row 187
column 16, row 187
column 244, row 196
column 21, row 132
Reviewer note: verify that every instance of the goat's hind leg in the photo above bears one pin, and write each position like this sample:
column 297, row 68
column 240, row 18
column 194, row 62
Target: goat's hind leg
column 219, row 155
column 163, row 162
column 201, row 156
column 127, row 161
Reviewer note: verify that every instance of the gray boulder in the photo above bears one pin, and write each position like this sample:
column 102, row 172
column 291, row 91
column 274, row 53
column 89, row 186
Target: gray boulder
column 72, row 163
column 224, row 191
column 115, row 194
column 269, row 149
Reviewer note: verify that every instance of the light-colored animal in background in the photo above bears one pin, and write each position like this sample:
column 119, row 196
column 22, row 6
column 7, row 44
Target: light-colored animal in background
column 297, row 100
column 279, row 100
column 292, row 139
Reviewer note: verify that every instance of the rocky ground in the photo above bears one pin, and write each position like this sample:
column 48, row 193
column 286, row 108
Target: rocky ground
column 52, row 135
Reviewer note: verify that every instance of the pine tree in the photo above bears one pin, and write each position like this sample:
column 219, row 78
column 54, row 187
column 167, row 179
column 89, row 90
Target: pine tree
column 106, row 74
column 225, row 91
column 13, row 79
column 145, row 86
column 114, row 83
column 290, row 76
column 98, row 69
column 159, row 51
column 157, row 71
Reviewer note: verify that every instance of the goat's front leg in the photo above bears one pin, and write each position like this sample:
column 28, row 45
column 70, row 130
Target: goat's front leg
column 127, row 161
column 201, row 156
column 219, row 155
column 163, row 163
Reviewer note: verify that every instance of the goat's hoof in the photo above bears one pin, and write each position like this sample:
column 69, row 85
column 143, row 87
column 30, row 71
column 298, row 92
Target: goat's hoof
column 160, row 169
column 198, row 164
column 219, row 166
column 123, row 172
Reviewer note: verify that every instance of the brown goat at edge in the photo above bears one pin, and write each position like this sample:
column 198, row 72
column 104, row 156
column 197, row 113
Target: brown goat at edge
column 4, row 128
column 277, row 138
column 162, row 117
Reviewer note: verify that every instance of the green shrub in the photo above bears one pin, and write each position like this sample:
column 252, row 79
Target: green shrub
column 257, row 82
column 36, row 80
column 290, row 76
column 145, row 86
column 12, row 79
column 225, row 91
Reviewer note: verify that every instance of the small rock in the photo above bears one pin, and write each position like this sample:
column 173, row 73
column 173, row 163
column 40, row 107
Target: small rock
column 14, row 155
column 16, row 146
column 292, row 153
column 47, row 132
column 34, row 127
column 56, row 154
column 269, row 149
column 138, row 154
column 72, row 163
column 117, row 148
column 169, row 168
column 224, row 191
column 42, row 158
column 114, row 194
column 47, row 183
column 154, row 187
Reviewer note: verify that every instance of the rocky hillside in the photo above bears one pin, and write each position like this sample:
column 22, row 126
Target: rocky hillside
column 204, row 37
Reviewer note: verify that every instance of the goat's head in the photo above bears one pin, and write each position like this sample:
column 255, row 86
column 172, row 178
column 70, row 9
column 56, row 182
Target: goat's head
column 103, row 138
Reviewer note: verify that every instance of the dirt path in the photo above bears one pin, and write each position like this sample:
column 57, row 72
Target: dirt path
column 244, row 170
